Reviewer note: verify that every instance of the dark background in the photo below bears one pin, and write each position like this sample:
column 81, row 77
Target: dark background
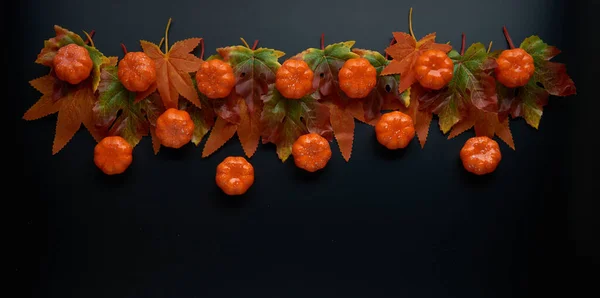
column 387, row 224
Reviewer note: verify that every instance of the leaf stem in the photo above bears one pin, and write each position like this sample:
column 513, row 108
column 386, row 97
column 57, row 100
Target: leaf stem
column 392, row 41
column 322, row 41
column 202, row 49
column 462, row 44
column 490, row 47
column 255, row 45
column 508, row 39
column 244, row 41
column 410, row 28
column 167, row 36
column 89, row 37
column 161, row 42
column 124, row 48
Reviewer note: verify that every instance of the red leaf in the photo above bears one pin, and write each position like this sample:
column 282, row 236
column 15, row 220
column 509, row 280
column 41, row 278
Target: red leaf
column 317, row 119
column 405, row 52
column 228, row 108
column 556, row 81
column 486, row 98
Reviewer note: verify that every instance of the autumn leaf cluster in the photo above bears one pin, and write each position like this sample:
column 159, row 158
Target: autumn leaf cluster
column 257, row 112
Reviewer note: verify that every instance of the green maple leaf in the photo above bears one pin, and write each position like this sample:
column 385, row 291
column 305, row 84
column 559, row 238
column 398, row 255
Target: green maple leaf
column 549, row 78
column 202, row 121
column 326, row 64
column 471, row 85
column 135, row 120
column 284, row 120
column 64, row 37
column 255, row 72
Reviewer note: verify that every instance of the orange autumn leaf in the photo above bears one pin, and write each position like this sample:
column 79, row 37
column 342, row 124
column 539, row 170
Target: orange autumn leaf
column 46, row 105
column 342, row 123
column 173, row 70
column 355, row 108
column 486, row 124
column 405, row 52
column 139, row 96
column 248, row 130
column 421, row 118
column 234, row 110
column 74, row 108
column 219, row 135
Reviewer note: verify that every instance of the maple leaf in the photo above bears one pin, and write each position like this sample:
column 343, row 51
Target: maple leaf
column 284, row 120
column 74, row 108
column 204, row 118
column 173, row 70
column 255, row 72
column 421, row 117
column 234, row 111
column 153, row 107
column 486, row 124
column 386, row 90
column 219, row 135
column 133, row 121
column 472, row 88
column 405, row 52
column 549, row 78
column 46, row 105
column 64, row 37
column 326, row 64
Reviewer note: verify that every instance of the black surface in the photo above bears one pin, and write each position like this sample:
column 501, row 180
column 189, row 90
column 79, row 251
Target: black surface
column 411, row 224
